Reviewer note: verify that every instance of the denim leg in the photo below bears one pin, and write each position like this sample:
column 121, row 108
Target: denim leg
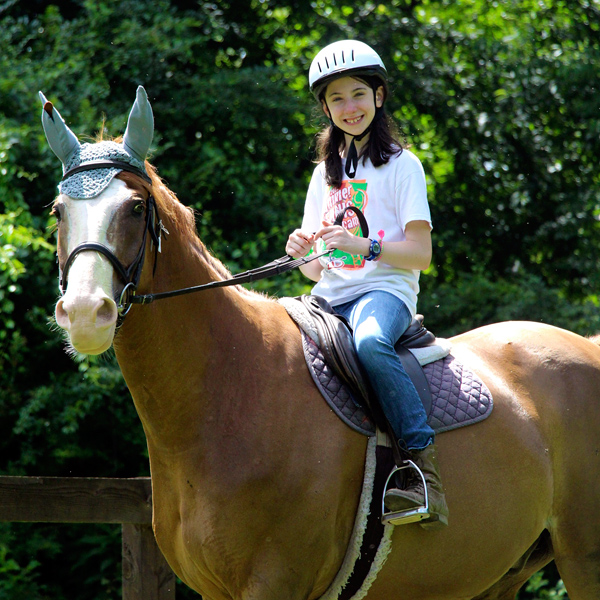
column 378, row 319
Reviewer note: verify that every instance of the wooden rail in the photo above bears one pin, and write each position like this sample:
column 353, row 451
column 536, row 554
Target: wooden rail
column 146, row 574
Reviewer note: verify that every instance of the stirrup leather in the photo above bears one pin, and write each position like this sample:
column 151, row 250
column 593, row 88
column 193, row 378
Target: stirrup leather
column 411, row 515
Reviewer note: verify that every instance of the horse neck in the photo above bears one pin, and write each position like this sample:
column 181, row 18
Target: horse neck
column 181, row 357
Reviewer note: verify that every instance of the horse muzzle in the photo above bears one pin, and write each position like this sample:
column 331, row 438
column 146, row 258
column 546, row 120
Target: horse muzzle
column 90, row 321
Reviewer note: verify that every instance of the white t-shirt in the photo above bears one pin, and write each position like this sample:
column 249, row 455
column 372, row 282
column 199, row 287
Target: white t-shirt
column 390, row 197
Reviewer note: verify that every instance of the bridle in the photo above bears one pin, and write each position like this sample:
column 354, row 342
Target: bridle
column 130, row 275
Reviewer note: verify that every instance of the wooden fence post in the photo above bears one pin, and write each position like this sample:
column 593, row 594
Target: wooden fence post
column 146, row 573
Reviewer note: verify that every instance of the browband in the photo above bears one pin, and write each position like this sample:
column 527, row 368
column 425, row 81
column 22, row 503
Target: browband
column 107, row 164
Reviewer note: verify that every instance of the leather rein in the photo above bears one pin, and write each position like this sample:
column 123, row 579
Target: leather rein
column 130, row 275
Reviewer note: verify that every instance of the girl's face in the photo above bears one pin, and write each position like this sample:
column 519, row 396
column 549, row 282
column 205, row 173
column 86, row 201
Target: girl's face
column 350, row 103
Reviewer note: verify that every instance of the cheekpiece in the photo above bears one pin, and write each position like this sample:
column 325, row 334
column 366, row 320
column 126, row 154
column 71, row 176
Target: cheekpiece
column 89, row 184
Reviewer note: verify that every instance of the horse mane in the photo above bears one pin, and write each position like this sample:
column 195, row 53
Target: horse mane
column 595, row 339
column 183, row 217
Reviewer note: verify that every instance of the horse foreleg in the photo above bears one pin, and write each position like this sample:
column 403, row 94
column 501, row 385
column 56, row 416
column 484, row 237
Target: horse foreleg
column 286, row 583
column 581, row 575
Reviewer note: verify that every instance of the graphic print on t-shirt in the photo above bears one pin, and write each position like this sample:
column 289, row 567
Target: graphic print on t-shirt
column 351, row 193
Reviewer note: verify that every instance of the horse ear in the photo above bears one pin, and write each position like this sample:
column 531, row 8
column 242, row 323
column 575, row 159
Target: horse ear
column 61, row 139
column 140, row 127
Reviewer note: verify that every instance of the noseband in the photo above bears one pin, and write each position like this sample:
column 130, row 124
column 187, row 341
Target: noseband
column 130, row 275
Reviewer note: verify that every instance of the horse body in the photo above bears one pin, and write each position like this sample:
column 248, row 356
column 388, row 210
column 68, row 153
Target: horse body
column 255, row 480
column 217, row 447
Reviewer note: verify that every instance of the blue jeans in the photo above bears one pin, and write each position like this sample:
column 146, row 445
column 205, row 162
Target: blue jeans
column 378, row 319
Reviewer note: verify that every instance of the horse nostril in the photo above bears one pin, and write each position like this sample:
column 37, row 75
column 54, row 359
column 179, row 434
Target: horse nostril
column 107, row 312
column 61, row 314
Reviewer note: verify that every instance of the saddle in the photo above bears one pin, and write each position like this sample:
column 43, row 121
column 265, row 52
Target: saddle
column 337, row 345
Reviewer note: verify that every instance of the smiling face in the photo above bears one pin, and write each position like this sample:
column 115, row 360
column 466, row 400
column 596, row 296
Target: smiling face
column 351, row 104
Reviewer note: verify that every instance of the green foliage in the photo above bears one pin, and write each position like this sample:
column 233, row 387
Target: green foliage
column 498, row 99
column 56, row 419
column 47, row 577
column 17, row 241
column 539, row 588
column 489, row 300
column 16, row 581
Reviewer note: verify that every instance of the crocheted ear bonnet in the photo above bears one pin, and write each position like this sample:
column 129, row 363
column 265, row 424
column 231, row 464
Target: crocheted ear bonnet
column 85, row 184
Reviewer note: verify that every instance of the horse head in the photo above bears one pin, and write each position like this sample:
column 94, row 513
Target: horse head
column 102, row 223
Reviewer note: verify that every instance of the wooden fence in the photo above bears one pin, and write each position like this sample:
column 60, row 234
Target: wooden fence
column 146, row 574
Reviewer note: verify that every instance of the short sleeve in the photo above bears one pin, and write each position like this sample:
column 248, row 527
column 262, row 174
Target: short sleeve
column 311, row 220
column 411, row 194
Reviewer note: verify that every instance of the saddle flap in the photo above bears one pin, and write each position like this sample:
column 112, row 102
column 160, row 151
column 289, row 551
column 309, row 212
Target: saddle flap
column 337, row 345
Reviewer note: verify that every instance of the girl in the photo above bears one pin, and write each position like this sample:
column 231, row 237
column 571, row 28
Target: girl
column 372, row 282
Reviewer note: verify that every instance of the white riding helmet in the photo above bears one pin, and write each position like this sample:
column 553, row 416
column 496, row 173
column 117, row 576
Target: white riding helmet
column 347, row 57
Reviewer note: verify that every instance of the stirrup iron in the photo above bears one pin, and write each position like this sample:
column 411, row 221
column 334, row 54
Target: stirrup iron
column 411, row 515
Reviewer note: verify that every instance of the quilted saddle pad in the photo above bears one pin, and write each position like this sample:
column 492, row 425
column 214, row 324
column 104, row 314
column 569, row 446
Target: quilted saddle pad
column 460, row 398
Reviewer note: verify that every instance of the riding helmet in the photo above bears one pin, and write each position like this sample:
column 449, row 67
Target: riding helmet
column 343, row 58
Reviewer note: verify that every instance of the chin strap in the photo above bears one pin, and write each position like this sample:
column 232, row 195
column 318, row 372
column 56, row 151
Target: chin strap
column 352, row 158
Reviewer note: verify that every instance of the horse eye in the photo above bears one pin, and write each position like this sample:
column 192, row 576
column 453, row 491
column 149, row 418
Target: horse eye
column 55, row 212
column 139, row 208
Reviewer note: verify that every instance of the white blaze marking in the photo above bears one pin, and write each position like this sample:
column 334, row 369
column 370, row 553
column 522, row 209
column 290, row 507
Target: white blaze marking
column 89, row 221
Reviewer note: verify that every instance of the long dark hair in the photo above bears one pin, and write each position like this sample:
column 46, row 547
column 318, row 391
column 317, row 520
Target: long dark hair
column 383, row 142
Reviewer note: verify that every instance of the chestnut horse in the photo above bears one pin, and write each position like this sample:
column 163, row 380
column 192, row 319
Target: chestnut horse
column 255, row 480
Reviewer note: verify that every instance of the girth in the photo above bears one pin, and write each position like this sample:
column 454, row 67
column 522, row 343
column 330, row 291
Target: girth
column 337, row 345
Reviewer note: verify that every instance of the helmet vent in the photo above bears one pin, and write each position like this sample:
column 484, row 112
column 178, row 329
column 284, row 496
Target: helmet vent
column 340, row 59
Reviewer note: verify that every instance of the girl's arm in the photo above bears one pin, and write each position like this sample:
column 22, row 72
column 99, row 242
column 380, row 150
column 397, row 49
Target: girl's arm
column 413, row 253
column 312, row 270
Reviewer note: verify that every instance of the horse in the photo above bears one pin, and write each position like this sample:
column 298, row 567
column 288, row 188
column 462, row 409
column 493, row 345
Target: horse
column 255, row 481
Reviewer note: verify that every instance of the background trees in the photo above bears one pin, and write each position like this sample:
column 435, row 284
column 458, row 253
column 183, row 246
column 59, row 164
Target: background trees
column 498, row 99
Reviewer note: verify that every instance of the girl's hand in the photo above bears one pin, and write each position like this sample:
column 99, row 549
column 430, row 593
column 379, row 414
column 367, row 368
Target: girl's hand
column 299, row 243
column 336, row 237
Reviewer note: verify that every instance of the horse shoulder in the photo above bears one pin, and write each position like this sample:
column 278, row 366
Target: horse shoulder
column 295, row 483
